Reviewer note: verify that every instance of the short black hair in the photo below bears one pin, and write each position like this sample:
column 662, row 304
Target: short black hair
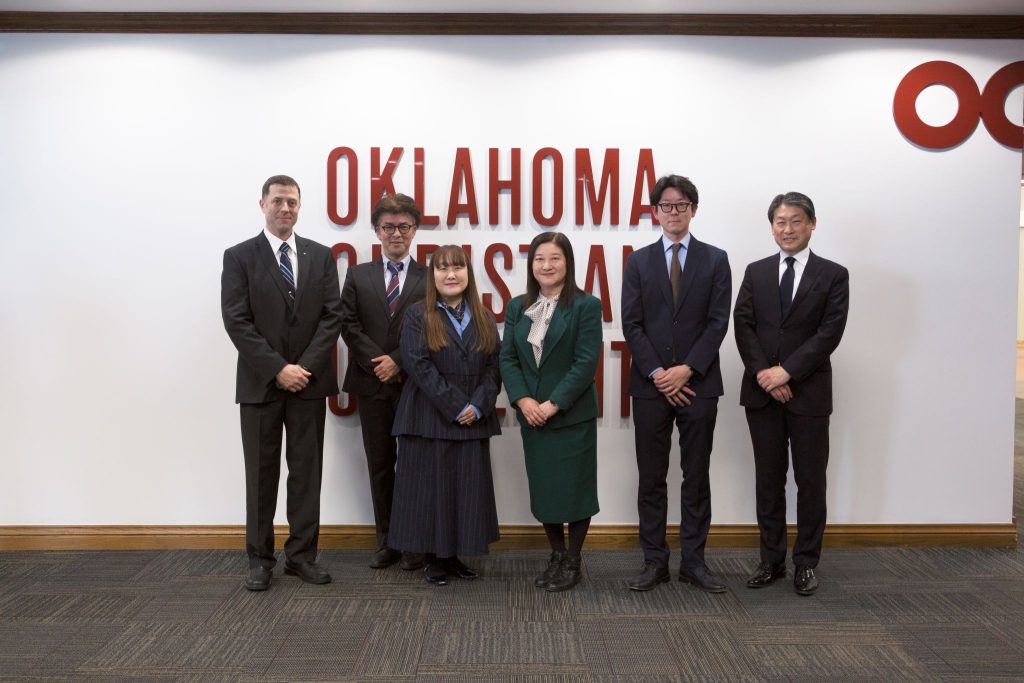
column 681, row 183
column 792, row 199
column 395, row 203
column 285, row 180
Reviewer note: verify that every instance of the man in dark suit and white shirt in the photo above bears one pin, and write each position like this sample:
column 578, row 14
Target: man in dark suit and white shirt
column 282, row 309
column 790, row 316
column 675, row 313
column 373, row 300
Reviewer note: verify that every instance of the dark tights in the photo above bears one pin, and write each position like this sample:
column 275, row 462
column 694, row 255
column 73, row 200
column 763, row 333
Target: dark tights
column 577, row 534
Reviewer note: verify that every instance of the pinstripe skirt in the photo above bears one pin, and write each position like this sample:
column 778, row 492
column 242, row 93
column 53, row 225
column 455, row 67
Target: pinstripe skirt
column 444, row 497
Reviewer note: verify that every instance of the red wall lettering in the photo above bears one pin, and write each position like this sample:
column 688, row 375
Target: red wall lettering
column 597, row 271
column 381, row 181
column 499, row 283
column 621, row 347
column 462, row 175
column 495, row 185
column 597, row 194
column 644, row 176
column 418, row 180
column 332, row 185
column 556, row 187
column 972, row 105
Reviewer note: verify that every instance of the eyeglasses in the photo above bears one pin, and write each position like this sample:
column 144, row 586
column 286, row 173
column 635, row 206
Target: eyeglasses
column 681, row 207
column 389, row 228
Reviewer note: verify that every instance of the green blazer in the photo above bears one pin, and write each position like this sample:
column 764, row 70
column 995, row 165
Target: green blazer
column 572, row 349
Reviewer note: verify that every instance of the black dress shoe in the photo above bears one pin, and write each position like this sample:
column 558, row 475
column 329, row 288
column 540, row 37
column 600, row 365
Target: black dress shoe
column 766, row 573
column 411, row 561
column 455, row 567
column 650, row 577
column 702, row 579
column 384, row 558
column 310, row 572
column 567, row 576
column 258, row 578
column 554, row 562
column 804, row 580
column 434, row 573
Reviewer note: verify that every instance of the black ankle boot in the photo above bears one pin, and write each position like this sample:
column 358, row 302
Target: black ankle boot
column 554, row 562
column 568, row 575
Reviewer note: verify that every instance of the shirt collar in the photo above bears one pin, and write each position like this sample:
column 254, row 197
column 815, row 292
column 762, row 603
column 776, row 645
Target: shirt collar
column 666, row 243
column 404, row 262
column 276, row 242
column 801, row 256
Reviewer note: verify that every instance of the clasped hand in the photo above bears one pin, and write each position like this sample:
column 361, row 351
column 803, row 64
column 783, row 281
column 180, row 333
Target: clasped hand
column 775, row 381
column 293, row 378
column 536, row 414
column 386, row 369
column 672, row 384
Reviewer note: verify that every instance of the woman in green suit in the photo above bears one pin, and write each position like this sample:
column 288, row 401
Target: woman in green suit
column 549, row 355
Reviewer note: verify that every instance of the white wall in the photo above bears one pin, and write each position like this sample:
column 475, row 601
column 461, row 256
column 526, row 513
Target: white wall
column 131, row 162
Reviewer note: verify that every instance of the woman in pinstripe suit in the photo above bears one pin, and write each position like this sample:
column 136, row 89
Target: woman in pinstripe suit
column 444, row 497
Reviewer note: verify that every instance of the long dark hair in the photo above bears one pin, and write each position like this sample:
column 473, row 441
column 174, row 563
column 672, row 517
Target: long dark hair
column 569, row 288
column 486, row 333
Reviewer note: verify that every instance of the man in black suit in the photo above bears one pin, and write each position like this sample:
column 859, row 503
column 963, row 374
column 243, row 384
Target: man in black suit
column 675, row 313
column 282, row 309
column 790, row 316
column 373, row 302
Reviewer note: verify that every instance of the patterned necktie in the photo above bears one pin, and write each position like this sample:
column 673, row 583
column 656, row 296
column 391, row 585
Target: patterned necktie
column 394, row 269
column 786, row 286
column 286, row 271
column 675, row 272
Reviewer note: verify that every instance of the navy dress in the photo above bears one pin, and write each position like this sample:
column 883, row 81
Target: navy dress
column 444, row 494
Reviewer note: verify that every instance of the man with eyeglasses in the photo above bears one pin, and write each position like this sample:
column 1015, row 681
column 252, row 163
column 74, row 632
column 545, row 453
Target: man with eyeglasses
column 675, row 313
column 373, row 302
column 790, row 316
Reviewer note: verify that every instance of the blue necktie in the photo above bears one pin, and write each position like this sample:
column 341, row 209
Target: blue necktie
column 286, row 271
column 786, row 286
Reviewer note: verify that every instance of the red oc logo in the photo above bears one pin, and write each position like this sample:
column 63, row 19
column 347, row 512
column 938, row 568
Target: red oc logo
column 990, row 105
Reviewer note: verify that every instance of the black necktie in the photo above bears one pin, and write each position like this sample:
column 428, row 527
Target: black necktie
column 786, row 286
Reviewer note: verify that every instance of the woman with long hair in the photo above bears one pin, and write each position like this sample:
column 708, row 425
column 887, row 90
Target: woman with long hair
column 444, row 497
column 549, row 356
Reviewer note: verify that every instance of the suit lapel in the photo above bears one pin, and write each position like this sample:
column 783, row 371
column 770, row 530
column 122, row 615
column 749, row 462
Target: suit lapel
column 269, row 260
column 412, row 279
column 694, row 259
column 768, row 281
column 656, row 264
column 807, row 279
column 377, row 284
column 305, row 266
column 555, row 331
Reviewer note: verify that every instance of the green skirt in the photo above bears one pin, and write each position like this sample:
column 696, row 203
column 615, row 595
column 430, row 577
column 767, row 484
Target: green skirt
column 561, row 466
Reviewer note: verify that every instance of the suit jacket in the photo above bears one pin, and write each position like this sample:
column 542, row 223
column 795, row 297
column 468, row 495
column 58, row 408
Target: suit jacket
column 441, row 383
column 268, row 329
column 802, row 342
column 660, row 335
column 368, row 329
column 572, row 348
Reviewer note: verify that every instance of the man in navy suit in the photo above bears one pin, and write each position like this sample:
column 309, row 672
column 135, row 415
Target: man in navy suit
column 373, row 303
column 790, row 316
column 282, row 309
column 675, row 313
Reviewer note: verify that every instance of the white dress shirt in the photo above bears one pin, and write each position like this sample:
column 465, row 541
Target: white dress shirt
column 293, row 254
column 799, row 264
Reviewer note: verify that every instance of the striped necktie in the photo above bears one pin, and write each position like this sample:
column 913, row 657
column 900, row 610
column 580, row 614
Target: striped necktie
column 286, row 271
column 394, row 269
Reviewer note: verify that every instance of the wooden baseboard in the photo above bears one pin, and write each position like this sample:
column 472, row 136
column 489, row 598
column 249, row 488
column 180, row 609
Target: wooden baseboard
column 351, row 536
